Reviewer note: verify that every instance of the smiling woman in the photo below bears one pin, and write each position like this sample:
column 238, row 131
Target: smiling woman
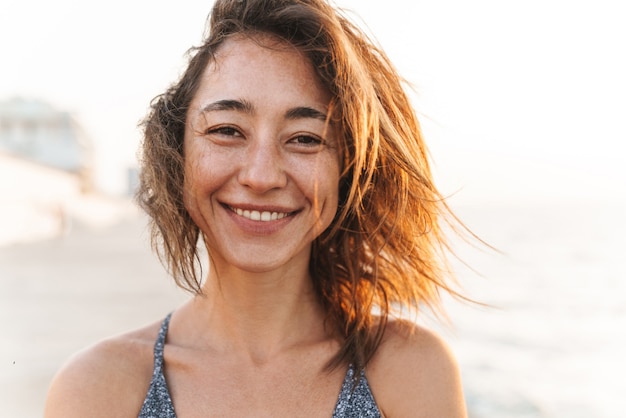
column 290, row 150
column 257, row 144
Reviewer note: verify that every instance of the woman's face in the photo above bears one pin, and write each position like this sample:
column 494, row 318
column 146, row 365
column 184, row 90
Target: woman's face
column 261, row 163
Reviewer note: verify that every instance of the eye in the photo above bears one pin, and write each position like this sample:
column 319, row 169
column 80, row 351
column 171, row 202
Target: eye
column 307, row 140
column 224, row 131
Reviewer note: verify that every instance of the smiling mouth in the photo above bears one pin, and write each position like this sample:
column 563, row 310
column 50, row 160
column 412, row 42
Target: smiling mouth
column 261, row 216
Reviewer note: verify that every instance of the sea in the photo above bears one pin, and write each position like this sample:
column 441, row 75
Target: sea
column 550, row 338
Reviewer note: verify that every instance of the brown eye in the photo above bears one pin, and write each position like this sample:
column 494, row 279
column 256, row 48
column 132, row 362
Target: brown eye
column 224, row 130
column 306, row 140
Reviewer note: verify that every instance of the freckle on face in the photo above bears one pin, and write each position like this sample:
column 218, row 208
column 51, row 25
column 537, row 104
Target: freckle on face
column 261, row 164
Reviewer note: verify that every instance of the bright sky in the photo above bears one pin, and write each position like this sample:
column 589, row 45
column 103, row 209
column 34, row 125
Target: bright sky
column 508, row 91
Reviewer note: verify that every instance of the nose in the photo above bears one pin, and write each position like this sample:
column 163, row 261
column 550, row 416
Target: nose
column 262, row 168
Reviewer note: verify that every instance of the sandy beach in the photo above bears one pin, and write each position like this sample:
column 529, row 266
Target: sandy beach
column 60, row 295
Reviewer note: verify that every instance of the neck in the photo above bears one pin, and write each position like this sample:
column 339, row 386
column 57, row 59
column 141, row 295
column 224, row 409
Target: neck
column 259, row 314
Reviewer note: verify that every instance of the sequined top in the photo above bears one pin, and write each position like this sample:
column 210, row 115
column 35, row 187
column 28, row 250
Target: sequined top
column 352, row 403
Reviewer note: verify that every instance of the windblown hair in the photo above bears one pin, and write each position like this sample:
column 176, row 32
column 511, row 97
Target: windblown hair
column 385, row 247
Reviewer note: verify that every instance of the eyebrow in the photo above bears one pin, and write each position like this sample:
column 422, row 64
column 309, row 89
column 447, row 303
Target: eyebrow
column 238, row 105
column 304, row 113
column 300, row 112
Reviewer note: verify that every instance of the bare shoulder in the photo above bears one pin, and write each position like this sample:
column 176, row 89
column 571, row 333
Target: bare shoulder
column 414, row 373
column 110, row 378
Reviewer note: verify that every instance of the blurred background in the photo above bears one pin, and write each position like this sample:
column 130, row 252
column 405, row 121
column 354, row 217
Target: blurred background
column 522, row 105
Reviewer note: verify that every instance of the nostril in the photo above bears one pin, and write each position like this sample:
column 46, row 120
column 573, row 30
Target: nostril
column 262, row 175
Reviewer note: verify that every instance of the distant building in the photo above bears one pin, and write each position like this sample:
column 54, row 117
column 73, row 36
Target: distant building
column 35, row 131
column 45, row 174
column 34, row 200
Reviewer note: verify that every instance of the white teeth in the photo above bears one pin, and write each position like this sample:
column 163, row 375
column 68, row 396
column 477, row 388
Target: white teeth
column 264, row 216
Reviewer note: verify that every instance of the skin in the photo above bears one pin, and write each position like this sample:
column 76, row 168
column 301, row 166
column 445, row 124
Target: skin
column 255, row 344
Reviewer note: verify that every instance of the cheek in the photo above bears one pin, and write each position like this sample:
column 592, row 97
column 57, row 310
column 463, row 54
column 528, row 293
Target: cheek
column 190, row 200
column 326, row 187
column 205, row 171
column 196, row 189
column 195, row 180
column 199, row 170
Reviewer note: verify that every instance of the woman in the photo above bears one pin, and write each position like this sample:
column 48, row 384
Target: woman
column 290, row 149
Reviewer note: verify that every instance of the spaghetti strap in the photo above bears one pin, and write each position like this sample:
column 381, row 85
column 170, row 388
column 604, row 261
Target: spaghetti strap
column 353, row 401
column 158, row 403
column 356, row 401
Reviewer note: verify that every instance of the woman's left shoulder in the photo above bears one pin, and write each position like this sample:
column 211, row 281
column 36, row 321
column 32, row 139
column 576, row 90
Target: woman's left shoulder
column 414, row 373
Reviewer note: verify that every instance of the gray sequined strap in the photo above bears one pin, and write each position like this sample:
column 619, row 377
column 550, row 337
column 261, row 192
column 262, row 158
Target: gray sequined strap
column 356, row 402
column 353, row 402
column 158, row 403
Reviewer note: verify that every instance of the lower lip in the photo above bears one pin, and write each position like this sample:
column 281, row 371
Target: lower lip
column 258, row 227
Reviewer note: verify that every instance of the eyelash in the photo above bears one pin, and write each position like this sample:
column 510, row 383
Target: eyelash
column 223, row 130
column 311, row 140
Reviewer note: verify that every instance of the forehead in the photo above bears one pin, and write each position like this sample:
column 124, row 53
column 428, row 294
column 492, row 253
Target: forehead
column 253, row 43
column 261, row 65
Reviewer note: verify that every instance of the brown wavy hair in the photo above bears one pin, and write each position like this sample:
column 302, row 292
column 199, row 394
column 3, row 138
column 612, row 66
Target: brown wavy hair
column 385, row 247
